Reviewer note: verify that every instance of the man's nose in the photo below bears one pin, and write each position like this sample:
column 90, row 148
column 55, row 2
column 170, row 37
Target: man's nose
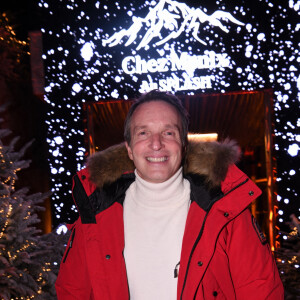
column 156, row 142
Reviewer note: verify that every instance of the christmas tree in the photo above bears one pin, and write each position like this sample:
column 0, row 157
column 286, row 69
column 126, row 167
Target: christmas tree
column 12, row 51
column 288, row 260
column 29, row 260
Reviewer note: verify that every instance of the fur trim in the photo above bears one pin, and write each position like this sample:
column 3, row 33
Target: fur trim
column 108, row 165
column 209, row 159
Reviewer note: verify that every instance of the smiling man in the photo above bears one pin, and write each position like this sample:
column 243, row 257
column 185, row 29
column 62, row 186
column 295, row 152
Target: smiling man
column 163, row 218
column 157, row 203
column 155, row 146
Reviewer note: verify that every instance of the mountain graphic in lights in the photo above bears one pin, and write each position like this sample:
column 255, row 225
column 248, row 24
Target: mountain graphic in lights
column 167, row 21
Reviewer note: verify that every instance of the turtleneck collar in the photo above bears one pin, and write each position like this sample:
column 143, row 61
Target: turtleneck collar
column 170, row 193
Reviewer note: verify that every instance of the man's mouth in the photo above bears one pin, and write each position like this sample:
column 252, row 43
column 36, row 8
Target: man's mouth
column 157, row 159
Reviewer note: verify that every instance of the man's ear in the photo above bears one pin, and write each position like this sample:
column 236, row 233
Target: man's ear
column 129, row 151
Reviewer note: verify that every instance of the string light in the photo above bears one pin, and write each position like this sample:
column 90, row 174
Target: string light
column 13, row 212
column 7, row 220
column 10, row 36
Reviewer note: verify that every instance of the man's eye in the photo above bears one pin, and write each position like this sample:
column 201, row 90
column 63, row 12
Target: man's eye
column 142, row 133
column 169, row 133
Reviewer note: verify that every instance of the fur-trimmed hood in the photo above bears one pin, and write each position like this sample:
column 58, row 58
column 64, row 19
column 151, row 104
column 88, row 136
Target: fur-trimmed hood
column 209, row 159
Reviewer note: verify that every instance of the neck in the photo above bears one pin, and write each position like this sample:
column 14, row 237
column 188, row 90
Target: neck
column 159, row 195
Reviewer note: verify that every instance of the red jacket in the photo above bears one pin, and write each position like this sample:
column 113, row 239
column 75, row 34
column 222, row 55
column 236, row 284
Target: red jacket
column 224, row 254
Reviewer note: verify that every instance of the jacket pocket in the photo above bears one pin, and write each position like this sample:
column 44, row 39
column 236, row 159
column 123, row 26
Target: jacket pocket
column 211, row 293
column 70, row 245
column 209, row 289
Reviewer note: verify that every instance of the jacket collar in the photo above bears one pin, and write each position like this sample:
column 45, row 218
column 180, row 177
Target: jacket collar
column 208, row 160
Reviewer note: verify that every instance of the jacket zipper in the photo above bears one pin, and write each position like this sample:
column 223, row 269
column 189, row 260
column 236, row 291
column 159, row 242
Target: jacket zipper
column 200, row 235
column 70, row 245
column 191, row 254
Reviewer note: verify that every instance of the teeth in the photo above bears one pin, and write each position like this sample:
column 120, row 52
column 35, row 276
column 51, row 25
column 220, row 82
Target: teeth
column 156, row 159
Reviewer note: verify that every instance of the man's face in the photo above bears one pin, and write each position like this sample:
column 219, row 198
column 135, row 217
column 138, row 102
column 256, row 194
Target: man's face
column 155, row 146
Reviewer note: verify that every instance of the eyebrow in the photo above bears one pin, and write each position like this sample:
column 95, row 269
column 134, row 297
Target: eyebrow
column 137, row 128
column 168, row 126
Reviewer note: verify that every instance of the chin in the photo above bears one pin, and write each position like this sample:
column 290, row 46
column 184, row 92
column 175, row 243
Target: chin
column 158, row 178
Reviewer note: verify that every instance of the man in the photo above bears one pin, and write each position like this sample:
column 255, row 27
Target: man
column 173, row 224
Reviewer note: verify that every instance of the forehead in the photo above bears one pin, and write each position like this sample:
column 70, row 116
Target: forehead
column 156, row 112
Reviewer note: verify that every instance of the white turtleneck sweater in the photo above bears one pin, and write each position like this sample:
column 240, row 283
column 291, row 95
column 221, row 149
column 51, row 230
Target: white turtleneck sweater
column 154, row 222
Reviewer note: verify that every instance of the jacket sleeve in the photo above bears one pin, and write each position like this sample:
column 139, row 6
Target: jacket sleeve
column 73, row 279
column 252, row 266
column 73, row 282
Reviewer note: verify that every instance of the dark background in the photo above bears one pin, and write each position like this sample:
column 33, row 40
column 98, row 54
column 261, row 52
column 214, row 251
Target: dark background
column 26, row 113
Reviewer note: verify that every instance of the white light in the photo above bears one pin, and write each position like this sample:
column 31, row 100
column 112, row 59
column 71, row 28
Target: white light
column 115, row 93
column 55, row 153
column 53, row 171
column 249, row 48
column 76, row 87
column 249, row 27
column 280, row 212
column 261, row 36
column 58, row 140
column 62, row 229
column 286, row 201
column 293, row 150
column 292, row 172
column 87, row 51
column 48, row 89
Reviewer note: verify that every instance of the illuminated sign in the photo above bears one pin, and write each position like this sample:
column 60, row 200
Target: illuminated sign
column 166, row 15
column 164, row 23
column 173, row 62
